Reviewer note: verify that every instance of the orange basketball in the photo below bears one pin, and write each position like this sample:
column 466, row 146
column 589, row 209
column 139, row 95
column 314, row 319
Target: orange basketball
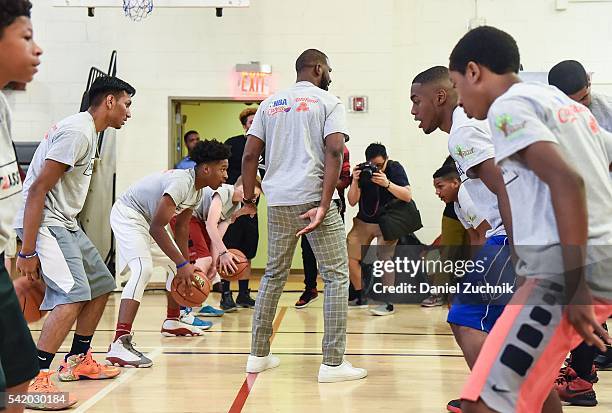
column 30, row 295
column 199, row 290
column 242, row 264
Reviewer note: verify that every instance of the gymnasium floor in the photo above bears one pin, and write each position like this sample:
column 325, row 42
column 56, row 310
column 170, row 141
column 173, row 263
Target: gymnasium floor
column 413, row 362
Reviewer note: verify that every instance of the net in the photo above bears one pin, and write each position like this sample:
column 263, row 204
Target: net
column 137, row 9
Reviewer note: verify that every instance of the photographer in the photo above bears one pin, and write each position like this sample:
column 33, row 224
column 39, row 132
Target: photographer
column 375, row 183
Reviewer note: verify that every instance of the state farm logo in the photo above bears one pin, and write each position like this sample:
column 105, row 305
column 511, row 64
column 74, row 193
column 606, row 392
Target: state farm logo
column 303, row 107
column 570, row 113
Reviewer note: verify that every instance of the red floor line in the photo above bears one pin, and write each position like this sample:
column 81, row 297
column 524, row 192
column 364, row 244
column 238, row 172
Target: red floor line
column 249, row 381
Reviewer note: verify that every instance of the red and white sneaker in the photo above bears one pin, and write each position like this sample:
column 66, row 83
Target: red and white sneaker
column 122, row 353
column 175, row 328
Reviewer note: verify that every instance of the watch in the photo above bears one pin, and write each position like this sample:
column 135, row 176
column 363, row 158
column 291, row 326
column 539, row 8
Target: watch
column 250, row 201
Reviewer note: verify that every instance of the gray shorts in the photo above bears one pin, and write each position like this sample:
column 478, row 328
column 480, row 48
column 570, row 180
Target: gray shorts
column 71, row 267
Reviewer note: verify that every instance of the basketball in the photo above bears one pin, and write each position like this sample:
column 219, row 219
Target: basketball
column 242, row 266
column 199, row 289
column 30, row 295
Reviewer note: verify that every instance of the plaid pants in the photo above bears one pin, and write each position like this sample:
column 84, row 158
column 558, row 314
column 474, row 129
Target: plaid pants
column 329, row 247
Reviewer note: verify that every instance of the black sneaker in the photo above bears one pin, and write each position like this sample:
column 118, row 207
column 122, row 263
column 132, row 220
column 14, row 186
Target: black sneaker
column 244, row 300
column 306, row 298
column 217, row 288
column 227, row 302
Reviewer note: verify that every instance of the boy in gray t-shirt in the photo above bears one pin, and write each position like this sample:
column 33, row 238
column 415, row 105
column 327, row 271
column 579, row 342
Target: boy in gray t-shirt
column 55, row 188
column 139, row 220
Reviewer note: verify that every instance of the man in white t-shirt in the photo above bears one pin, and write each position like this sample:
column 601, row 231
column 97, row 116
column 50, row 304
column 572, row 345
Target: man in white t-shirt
column 78, row 282
column 435, row 106
column 303, row 130
column 19, row 59
column 556, row 164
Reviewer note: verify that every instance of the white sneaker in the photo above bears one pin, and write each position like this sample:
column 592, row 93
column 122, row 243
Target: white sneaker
column 258, row 364
column 383, row 310
column 343, row 372
column 175, row 328
column 123, row 354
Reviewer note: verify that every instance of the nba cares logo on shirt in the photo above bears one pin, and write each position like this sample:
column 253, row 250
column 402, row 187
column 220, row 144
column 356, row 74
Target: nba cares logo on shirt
column 505, row 124
column 278, row 106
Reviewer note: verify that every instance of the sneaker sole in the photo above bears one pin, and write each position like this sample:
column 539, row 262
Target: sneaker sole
column 256, row 371
column 181, row 332
column 245, row 305
column 230, row 310
column 381, row 313
column 343, row 378
column 357, row 307
column 117, row 362
column 51, row 408
column 308, row 303
column 208, row 315
column 432, row 305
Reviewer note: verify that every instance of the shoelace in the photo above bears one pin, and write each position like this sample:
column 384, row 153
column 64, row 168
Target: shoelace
column 187, row 311
column 130, row 346
column 88, row 360
column 42, row 384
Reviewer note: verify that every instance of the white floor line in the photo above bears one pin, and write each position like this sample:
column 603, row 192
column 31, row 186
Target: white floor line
column 125, row 375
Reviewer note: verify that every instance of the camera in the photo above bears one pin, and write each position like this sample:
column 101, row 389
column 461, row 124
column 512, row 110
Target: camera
column 368, row 169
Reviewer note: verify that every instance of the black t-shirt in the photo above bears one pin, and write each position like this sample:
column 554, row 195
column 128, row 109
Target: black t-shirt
column 374, row 198
column 234, row 169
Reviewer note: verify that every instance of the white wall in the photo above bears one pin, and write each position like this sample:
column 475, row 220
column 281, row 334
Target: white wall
column 376, row 48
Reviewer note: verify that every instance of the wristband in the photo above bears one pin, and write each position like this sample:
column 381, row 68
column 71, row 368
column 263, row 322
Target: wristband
column 27, row 256
column 223, row 253
column 182, row 264
column 389, row 184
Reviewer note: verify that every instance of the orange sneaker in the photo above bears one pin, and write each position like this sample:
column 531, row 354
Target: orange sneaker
column 42, row 385
column 84, row 367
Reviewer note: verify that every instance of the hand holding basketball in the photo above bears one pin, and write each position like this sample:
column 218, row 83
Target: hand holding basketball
column 30, row 295
column 199, row 288
column 227, row 263
column 184, row 279
column 240, row 263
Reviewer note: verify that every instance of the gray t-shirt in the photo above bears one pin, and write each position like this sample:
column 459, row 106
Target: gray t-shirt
column 10, row 182
column 179, row 184
column 293, row 125
column 466, row 210
column 225, row 192
column 533, row 112
column 470, row 144
column 601, row 107
column 71, row 142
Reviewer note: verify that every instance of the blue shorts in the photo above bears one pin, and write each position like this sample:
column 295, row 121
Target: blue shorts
column 480, row 311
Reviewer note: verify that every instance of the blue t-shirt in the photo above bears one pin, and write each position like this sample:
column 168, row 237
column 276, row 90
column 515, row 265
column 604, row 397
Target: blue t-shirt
column 374, row 197
column 185, row 163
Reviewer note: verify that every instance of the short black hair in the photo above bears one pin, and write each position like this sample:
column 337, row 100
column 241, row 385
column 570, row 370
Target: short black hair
column 488, row 46
column 186, row 136
column 446, row 171
column 10, row 10
column 375, row 149
column 207, row 151
column 310, row 57
column 433, row 74
column 569, row 76
column 108, row 85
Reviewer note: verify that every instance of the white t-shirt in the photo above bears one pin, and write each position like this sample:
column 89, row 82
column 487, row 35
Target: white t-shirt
column 469, row 143
column 466, row 210
column 294, row 124
column 225, row 192
column 533, row 112
column 71, row 142
column 144, row 196
column 10, row 182
column 601, row 107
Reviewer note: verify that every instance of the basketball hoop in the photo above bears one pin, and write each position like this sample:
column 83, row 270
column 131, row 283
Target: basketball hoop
column 137, row 9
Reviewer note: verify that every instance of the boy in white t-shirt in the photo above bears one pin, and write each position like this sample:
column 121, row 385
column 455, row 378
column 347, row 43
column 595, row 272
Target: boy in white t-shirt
column 556, row 164
column 139, row 219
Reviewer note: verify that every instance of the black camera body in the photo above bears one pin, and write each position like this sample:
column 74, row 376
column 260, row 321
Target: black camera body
column 368, row 169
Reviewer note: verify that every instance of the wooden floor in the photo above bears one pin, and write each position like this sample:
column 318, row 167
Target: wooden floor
column 413, row 362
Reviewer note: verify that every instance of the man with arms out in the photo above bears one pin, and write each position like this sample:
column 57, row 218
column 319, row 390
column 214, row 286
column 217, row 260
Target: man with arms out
column 303, row 130
column 139, row 219
column 555, row 160
column 435, row 105
column 78, row 282
column 19, row 57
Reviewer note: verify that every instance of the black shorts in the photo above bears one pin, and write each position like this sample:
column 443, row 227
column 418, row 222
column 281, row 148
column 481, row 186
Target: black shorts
column 243, row 235
column 18, row 355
